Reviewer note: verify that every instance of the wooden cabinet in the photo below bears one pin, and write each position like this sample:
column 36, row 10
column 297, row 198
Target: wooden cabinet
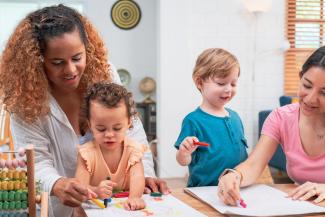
column 147, row 114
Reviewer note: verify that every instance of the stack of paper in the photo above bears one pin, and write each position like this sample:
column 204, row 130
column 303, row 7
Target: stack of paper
column 261, row 200
column 165, row 206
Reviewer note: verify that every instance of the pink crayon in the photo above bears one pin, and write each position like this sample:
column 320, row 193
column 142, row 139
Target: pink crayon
column 242, row 203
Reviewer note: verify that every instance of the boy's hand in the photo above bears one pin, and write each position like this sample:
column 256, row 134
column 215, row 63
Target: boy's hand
column 187, row 146
column 134, row 204
column 105, row 189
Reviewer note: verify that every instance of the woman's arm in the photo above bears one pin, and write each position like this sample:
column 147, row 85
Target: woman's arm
column 253, row 167
column 69, row 191
column 247, row 172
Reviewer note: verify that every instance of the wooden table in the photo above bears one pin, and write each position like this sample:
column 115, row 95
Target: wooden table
column 209, row 211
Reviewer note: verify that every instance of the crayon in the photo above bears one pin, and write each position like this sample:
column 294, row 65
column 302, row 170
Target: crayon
column 121, row 194
column 201, row 144
column 242, row 203
column 155, row 194
column 98, row 203
column 107, row 200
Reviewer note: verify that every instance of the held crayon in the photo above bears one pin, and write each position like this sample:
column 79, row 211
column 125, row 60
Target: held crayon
column 201, row 144
column 121, row 194
column 107, row 199
column 98, row 203
column 242, row 203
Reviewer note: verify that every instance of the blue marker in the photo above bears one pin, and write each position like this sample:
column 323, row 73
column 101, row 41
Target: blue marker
column 107, row 200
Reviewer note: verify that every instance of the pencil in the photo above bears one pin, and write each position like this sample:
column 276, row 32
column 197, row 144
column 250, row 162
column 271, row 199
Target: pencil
column 98, row 203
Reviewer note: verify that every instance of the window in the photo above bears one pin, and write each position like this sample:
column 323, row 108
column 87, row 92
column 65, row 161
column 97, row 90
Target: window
column 305, row 32
column 13, row 12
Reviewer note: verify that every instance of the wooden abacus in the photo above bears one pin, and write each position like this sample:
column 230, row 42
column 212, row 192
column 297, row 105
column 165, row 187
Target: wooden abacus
column 17, row 186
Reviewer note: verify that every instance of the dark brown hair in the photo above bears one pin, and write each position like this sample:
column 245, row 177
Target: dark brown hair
column 109, row 95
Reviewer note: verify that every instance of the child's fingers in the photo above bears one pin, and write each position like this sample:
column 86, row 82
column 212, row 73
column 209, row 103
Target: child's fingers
column 91, row 194
column 126, row 205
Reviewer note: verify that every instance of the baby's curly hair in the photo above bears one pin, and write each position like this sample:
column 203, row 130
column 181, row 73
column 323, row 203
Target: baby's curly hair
column 24, row 87
column 109, row 95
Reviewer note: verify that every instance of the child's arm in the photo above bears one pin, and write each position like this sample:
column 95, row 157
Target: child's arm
column 186, row 148
column 137, row 182
column 103, row 190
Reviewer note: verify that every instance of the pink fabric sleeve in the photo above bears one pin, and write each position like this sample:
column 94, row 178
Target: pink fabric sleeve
column 272, row 125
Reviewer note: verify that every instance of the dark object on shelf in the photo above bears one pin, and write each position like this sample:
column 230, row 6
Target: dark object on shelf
column 147, row 114
column 125, row 14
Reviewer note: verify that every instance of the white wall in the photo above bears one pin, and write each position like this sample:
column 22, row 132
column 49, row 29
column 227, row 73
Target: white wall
column 135, row 49
column 186, row 28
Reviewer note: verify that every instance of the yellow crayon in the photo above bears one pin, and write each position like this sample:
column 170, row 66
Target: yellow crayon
column 98, row 203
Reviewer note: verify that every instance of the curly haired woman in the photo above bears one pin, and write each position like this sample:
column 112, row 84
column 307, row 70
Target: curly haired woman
column 50, row 60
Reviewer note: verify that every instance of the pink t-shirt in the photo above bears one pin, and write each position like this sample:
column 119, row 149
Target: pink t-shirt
column 282, row 125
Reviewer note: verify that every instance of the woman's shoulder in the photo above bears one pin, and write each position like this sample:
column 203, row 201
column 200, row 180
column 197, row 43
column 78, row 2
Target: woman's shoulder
column 287, row 110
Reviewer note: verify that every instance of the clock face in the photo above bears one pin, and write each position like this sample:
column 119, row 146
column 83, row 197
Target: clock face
column 124, row 76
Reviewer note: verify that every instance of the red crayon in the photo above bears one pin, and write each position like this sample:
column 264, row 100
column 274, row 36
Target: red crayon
column 121, row 194
column 201, row 144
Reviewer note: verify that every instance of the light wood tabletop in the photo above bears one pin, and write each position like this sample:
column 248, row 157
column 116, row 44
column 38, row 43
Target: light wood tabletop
column 209, row 211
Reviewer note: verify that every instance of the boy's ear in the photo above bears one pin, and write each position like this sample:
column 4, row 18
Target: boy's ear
column 198, row 83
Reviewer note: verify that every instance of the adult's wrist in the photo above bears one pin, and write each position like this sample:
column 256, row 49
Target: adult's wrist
column 238, row 174
column 57, row 186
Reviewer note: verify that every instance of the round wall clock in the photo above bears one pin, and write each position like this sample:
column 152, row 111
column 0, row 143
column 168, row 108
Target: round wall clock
column 125, row 14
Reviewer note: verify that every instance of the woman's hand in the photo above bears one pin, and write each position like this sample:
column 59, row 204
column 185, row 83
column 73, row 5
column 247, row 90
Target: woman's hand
column 228, row 188
column 105, row 189
column 307, row 191
column 134, row 204
column 156, row 185
column 70, row 191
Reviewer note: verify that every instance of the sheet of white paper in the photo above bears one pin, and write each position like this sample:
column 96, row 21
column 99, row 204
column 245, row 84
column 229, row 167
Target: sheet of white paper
column 165, row 206
column 261, row 200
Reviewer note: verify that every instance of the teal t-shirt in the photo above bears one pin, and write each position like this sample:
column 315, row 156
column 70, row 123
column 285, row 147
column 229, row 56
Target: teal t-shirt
column 227, row 145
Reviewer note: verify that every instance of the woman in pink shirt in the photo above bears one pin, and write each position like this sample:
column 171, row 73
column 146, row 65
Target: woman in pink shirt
column 300, row 129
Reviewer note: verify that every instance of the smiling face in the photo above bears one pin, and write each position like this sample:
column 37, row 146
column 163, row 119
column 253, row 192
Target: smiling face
column 109, row 125
column 216, row 91
column 312, row 92
column 65, row 61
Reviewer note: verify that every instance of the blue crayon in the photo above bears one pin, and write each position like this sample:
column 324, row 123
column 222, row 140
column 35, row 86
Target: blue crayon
column 107, row 200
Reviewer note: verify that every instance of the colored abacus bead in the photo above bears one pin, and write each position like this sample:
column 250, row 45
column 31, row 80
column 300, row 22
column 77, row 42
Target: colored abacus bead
column 21, row 152
column 5, row 195
column 24, row 195
column 21, row 163
column 9, row 163
column 12, row 205
column 18, row 204
column 2, row 163
column 14, row 163
column 5, row 205
column 17, row 196
column 11, row 196
column 24, row 204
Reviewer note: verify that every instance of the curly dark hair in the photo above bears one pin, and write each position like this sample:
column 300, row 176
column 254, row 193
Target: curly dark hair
column 24, row 87
column 109, row 95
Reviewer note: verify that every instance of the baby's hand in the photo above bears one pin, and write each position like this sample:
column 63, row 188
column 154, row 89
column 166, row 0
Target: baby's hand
column 105, row 189
column 134, row 204
column 187, row 146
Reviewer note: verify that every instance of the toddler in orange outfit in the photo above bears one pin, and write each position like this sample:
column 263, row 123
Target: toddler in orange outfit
column 109, row 109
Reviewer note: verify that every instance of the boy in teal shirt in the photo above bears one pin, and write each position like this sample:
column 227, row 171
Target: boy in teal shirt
column 215, row 75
